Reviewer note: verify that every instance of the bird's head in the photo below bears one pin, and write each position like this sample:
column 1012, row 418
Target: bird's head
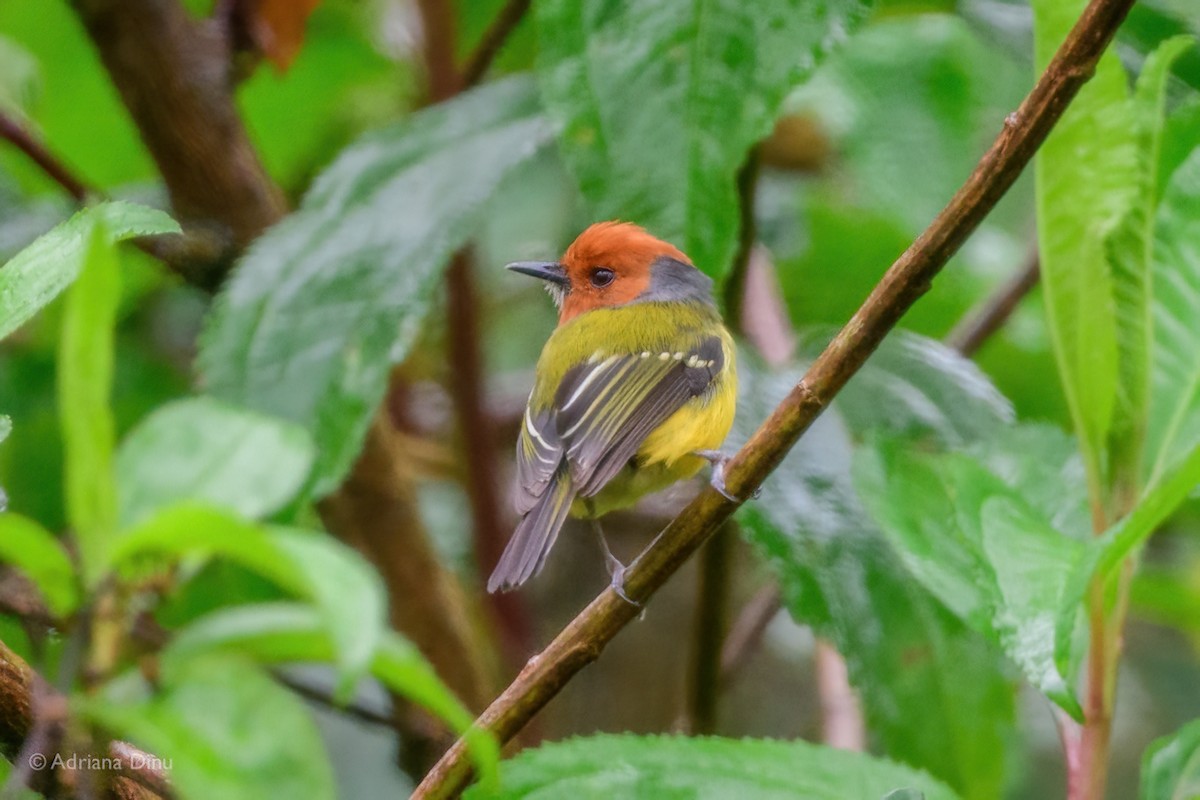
column 615, row 263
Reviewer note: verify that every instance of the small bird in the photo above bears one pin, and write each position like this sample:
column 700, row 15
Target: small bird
column 635, row 390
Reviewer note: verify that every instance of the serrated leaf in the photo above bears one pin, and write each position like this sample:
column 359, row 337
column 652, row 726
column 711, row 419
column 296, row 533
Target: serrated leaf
column 280, row 633
column 1171, row 766
column 1085, row 172
column 326, row 301
column 348, row 593
column 840, row 575
column 913, row 384
column 36, row 552
column 37, row 274
column 1174, row 427
column 660, row 102
column 226, row 729
column 204, row 450
column 652, row 767
column 1130, row 246
column 85, row 376
column 992, row 558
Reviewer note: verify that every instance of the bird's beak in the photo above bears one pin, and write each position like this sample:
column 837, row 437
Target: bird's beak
column 549, row 271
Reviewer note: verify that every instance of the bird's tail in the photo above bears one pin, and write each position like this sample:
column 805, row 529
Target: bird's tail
column 535, row 534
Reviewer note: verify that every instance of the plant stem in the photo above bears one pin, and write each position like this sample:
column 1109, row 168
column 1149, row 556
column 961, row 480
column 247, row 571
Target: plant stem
column 582, row 641
column 711, row 618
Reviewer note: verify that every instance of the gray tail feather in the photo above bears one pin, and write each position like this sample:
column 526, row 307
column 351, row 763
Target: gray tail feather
column 535, row 534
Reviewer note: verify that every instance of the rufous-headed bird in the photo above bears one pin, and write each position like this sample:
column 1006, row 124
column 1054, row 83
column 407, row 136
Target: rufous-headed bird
column 635, row 389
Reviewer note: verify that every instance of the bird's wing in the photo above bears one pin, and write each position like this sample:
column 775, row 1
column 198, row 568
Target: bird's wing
column 606, row 407
column 539, row 455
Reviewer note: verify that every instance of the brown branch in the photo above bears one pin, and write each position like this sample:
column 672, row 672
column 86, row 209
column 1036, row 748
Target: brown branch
column 172, row 73
column 583, row 639
column 746, row 632
column 23, row 140
column 978, row 324
column 493, row 40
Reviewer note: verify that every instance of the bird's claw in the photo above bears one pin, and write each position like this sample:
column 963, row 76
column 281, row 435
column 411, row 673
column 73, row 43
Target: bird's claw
column 718, row 460
column 616, row 570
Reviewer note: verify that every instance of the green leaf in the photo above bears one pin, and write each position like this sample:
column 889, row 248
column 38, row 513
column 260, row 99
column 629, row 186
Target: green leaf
column 32, row 549
column 37, row 274
column 660, row 102
column 18, row 77
column 1171, row 766
column 85, row 375
column 1085, row 174
column 839, row 574
column 281, row 633
column 201, row 449
column 227, row 730
column 913, row 384
column 193, row 529
column 5, row 426
column 993, row 559
column 326, row 301
column 1175, row 400
column 652, row 767
column 348, row 593
column 1131, row 255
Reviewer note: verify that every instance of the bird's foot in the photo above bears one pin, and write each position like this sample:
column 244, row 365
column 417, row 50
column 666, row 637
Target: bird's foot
column 616, row 570
column 718, row 460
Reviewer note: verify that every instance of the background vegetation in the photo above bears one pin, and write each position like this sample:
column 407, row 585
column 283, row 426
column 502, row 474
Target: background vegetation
column 261, row 373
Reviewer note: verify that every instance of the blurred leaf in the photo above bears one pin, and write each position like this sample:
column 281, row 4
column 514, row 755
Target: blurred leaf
column 348, row 593
column 227, row 730
column 1106, row 553
column 36, row 552
column 1175, row 398
column 840, row 575
column 660, row 102
column 905, row 794
column 1086, row 172
column 652, row 767
column 1171, row 766
column 85, row 378
column 325, row 302
column 277, row 27
column 914, row 384
column 38, row 273
column 972, row 540
column 280, row 633
column 1130, row 248
column 18, row 77
column 1180, row 134
column 201, row 449
column 193, row 529
column 5, row 426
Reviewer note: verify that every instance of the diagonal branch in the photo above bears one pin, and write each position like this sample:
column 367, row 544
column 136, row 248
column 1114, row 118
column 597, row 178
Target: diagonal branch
column 969, row 334
column 582, row 641
column 16, row 133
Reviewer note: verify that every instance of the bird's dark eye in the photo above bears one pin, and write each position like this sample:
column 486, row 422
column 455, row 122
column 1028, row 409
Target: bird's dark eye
column 602, row 276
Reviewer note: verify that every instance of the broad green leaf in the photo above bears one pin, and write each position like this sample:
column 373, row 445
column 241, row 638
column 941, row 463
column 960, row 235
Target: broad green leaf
column 37, row 274
column 652, row 767
column 85, row 376
column 1171, row 766
column 32, row 549
column 913, row 384
column 326, row 301
column 193, row 529
column 1175, row 400
column 348, row 593
column 228, row 730
column 281, row 633
column 660, row 102
column 968, row 536
column 201, row 449
column 1105, row 553
column 1086, row 172
column 839, row 574
column 1131, row 255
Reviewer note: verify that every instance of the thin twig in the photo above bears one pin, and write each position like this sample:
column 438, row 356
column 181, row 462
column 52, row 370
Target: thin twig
column 841, row 716
column 746, row 633
column 978, row 324
column 582, row 640
column 711, row 620
column 493, row 40
column 23, row 140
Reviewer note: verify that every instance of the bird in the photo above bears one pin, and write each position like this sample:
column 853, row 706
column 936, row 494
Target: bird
column 635, row 389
